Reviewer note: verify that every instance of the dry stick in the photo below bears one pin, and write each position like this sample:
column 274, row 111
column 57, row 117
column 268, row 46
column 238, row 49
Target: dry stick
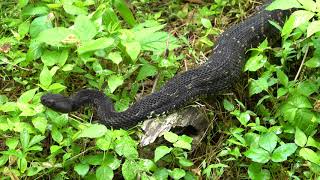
column 301, row 65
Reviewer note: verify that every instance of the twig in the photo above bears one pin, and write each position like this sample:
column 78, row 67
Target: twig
column 301, row 65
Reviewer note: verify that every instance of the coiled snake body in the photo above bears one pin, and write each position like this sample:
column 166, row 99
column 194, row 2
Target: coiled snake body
column 218, row 74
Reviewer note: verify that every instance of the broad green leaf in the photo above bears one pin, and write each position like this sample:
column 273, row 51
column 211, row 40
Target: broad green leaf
column 206, row 23
column 147, row 70
column 94, row 45
column 171, row 137
column 133, row 49
column 74, row 10
column 104, row 143
column 125, row 12
column 182, row 144
column 185, row 162
column 228, row 105
column 124, row 148
column 314, row 62
column 110, row 18
column 104, row 173
column 114, row 82
column 22, row 164
column 310, row 155
column 39, row 24
column 36, row 139
column 94, row 160
column 309, row 5
column 23, row 28
column 161, row 174
column 27, row 96
column 115, row 57
column 84, row 28
column 160, row 152
column 58, row 36
column 255, row 62
column 24, row 139
column 129, row 169
column 111, row 161
column 177, row 173
column 283, row 78
column 45, row 77
column 308, row 87
column 38, row 10
column 256, row 172
column 313, row 143
column 283, row 152
column 257, row 86
column 258, row 155
column 56, row 134
column 12, row 143
column 283, row 5
column 82, row 169
column 93, row 131
column 313, row 28
column 300, row 138
column 268, row 141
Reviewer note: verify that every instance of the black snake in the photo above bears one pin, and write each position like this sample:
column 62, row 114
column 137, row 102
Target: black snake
column 218, row 74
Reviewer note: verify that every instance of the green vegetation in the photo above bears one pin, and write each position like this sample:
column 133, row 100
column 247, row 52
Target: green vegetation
column 61, row 46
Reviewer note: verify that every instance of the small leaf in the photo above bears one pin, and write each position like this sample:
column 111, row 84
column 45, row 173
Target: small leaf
column 206, row 23
column 23, row 28
column 314, row 62
column 160, row 152
column 228, row 105
column 146, row 70
column 256, row 172
column 177, row 173
column 133, row 49
column 313, row 28
column 81, row 169
column 45, row 77
column 171, row 137
column 125, row 12
column 39, row 24
column 93, row 131
column 24, row 139
column 27, row 96
column 56, row 134
column 58, row 36
column 114, row 82
column 115, row 57
column 12, row 143
column 283, row 78
column 300, row 138
column 257, row 86
column 310, row 155
column 268, row 141
column 255, row 62
column 94, row 45
column 84, row 28
column 281, row 153
column 258, row 155
column 104, row 173
column 283, row 5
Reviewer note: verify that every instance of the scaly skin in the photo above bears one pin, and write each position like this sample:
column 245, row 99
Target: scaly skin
column 217, row 75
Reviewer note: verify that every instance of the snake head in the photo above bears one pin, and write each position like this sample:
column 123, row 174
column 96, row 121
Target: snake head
column 57, row 102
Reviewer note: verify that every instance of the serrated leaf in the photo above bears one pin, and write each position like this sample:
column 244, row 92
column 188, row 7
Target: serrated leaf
column 281, row 153
column 146, row 70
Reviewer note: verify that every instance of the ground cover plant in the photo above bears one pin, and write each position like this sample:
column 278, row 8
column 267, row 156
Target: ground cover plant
column 266, row 129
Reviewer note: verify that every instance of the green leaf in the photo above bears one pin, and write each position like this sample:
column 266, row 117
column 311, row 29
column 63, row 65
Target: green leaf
column 36, row 139
column 310, row 155
column 313, row 28
column 255, row 62
column 258, row 155
column 31, row 10
column 23, row 28
column 12, row 143
column 24, row 139
column 161, row 174
column 313, row 143
column 206, row 23
column 74, row 10
column 39, row 24
column 314, row 62
column 125, row 12
column 22, row 3
column 257, row 86
column 115, row 57
column 94, row 160
column 283, row 152
column 309, row 5
column 171, row 137
column 84, row 28
column 308, row 87
column 129, row 168
column 146, row 70
column 104, row 143
column 268, row 141
column 104, row 173
column 283, row 5
column 256, row 172
column 177, row 173
column 58, row 36
column 296, row 19
column 94, row 45
column 133, row 49
column 160, row 152
column 22, row 164
column 228, row 105
column 111, row 161
column 81, row 169
column 50, row 58
column 182, row 144
column 185, row 162
column 114, row 81
column 45, row 77
column 93, row 131
column 27, row 96
column 283, row 78
column 300, row 138
column 126, row 149
column 56, row 134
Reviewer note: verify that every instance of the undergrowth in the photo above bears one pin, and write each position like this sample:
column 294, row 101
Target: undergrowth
column 265, row 130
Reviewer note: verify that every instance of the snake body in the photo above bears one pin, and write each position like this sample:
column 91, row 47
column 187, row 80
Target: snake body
column 217, row 75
